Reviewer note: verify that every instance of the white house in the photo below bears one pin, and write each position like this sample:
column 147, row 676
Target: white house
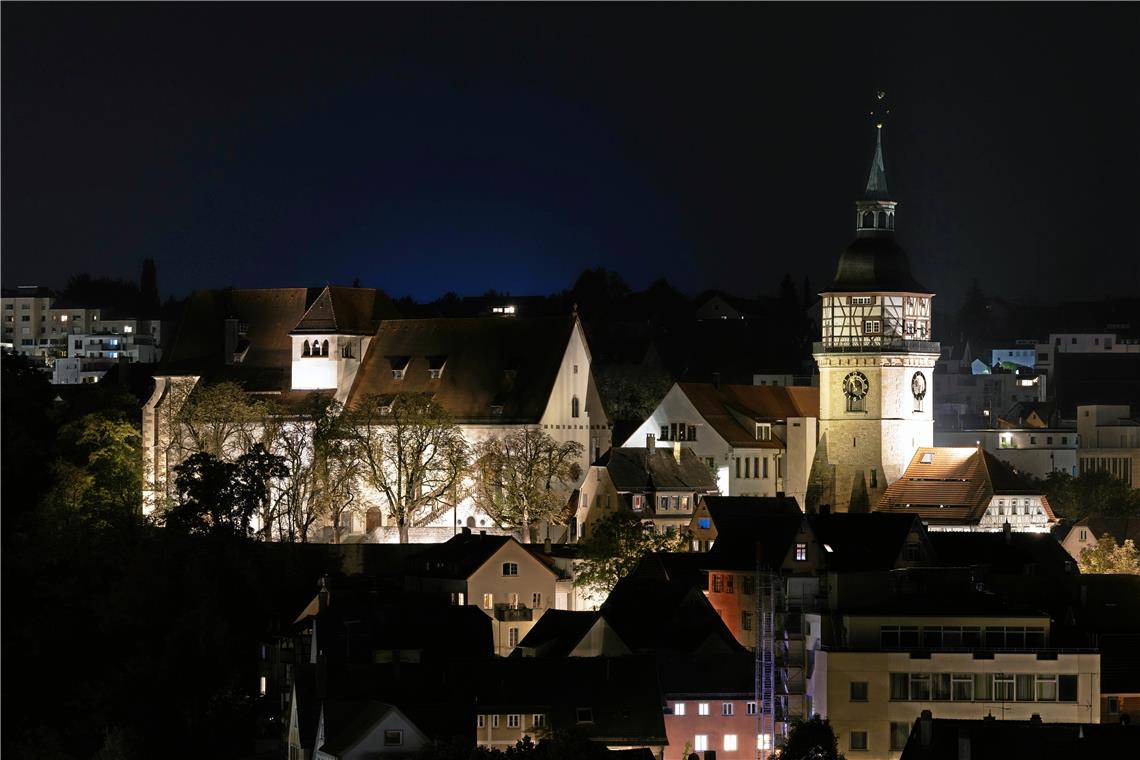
column 758, row 440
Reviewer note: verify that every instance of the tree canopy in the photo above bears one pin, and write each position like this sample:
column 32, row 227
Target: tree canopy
column 810, row 740
column 614, row 546
column 1110, row 558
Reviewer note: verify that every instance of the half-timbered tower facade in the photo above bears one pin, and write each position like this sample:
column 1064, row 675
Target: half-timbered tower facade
column 876, row 361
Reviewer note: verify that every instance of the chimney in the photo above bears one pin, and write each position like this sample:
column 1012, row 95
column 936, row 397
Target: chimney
column 1007, row 529
column 650, row 443
column 1035, row 719
column 482, row 533
column 466, row 531
column 926, row 728
column 716, row 379
column 677, row 451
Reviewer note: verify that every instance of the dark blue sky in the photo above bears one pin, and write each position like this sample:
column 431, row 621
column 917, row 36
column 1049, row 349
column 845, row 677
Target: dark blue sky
column 432, row 147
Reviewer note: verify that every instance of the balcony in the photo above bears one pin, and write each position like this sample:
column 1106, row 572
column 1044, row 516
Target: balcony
column 875, row 344
column 508, row 613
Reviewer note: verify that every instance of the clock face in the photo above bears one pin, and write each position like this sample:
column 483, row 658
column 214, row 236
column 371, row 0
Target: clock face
column 918, row 385
column 855, row 385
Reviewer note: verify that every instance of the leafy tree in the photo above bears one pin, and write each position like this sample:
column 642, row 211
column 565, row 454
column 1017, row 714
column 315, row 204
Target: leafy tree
column 525, row 477
column 313, row 442
column 1090, row 493
column 100, row 469
column 1109, row 558
column 810, row 740
column 216, row 497
column 221, row 420
column 614, row 546
column 412, row 454
column 631, row 392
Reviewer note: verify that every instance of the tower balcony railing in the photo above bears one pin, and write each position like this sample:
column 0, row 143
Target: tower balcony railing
column 875, row 344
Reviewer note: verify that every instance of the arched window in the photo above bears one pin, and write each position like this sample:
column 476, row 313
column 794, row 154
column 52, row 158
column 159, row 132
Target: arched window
column 868, row 220
column 325, row 348
column 890, row 221
column 574, row 407
column 305, row 350
column 882, row 220
column 346, row 351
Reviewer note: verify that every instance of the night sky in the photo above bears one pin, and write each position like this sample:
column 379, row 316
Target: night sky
column 432, row 147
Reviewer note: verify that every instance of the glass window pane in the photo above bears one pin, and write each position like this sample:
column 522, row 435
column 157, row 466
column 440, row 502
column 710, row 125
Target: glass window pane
column 932, row 637
column 1035, row 638
column 995, row 638
column 1046, row 688
column 941, row 686
column 971, row 637
column 900, row 732
column 952, row 637
column 908, row 636
column 1067, row 688
column 920, row 686
column 1025, row 687
column 963, row 690
column 899, row 686
column 1015, row 638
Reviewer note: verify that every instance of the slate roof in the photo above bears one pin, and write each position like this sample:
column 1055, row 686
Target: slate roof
column 759, row 403
column 651, row 615
column 508, row 363
column 346, row 723
column 557, row 632
column 875, row 265
column 744, row 540
column 1120, row 527
column 346, row 311
column 745, row 507
column 863, row 541
column 460, row 556
column 956, row 486
column 877, row 177
column 635, row 469
column 1001, row 553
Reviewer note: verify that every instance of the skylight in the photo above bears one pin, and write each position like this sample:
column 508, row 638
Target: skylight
column 927, row 458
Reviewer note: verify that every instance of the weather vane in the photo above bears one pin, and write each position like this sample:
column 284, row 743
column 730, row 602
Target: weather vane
column 880, row 112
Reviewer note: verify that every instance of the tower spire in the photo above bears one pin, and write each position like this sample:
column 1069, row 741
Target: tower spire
column 875, row 211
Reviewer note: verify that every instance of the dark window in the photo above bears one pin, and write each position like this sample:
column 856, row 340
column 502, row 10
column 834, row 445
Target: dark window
column 900, row 686
column 574, row 407
column 664, row 432
column 1067, row 687
column 858, row 691
column 859, row 740
column 585, row 715
column 510, row 568
column 704, row 523
column 748, row 585
column 692, row 432
column 900, row 732
column 738, row 467
column 325, row 348
column 746, row 621
column 305, row 350
column 920, row 686
column 393, row 738
column 765, row 467
column 941, row 686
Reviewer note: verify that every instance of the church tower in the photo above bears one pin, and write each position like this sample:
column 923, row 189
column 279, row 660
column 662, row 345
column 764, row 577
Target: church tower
column 875, row 358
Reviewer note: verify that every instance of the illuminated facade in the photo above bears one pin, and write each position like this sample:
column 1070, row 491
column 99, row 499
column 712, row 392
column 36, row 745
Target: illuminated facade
column 876, row 361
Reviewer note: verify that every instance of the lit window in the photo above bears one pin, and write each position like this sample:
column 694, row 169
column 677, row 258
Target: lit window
column 513, row 640
column 927, row 458
column 679, row 708
column 488, row 601
column 702, row 708
column 536, row 600
column 700, row 743
column 730, row 742
column 801, row 552
column 763, row 741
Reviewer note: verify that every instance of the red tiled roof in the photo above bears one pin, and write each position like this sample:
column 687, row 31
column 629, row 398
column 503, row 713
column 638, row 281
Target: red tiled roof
column 724, row 406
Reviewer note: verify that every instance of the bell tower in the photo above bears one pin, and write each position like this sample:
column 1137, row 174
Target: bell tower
column 875, row 358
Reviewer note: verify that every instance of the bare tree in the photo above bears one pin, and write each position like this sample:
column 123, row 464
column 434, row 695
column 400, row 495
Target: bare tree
column 525, row 477
column 222, row 420
column 412, row 454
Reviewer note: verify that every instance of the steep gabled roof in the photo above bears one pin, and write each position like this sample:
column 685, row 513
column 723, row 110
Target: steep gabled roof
column 651, row 615
column 725, row 508
column 1002, row 553
column 760, row 529
column 461, row 555
column 558, row 632
column 266, row 315
column 508, row 364
column 863, row 541
column 725, row 407
column 347, row 723
column 346, row 311
column 636, row 469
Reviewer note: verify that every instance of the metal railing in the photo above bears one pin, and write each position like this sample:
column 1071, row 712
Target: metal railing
column 871, row 344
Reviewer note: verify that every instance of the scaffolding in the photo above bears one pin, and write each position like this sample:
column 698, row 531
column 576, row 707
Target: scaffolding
column 769, row 587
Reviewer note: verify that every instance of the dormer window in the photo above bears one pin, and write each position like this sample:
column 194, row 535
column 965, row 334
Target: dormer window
column 435, row 366
column 399, row 365
column 763, row 432
column 927, row 458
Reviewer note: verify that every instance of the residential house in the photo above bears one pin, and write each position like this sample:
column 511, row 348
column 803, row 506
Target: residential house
column 662, row 485
column 703, row 529
column 1086, row 532
column 966, row 489
column 1036, row 451
column 758, row 440
column 493, row 573
column 710, row 706
column 365, row 731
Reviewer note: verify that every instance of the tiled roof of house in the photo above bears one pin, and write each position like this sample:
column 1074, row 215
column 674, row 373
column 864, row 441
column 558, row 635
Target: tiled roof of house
column 744, row 540
column 728, row 408
column 1002, row 553
column 494, row 370
column 267, row 314
column 636, row 469
column 557, row 632
column 458, row 557
column 854, row 542
column 346, row 723
column 665, row 616
column 953, row 485
column 352, row 311
column 744, row 507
